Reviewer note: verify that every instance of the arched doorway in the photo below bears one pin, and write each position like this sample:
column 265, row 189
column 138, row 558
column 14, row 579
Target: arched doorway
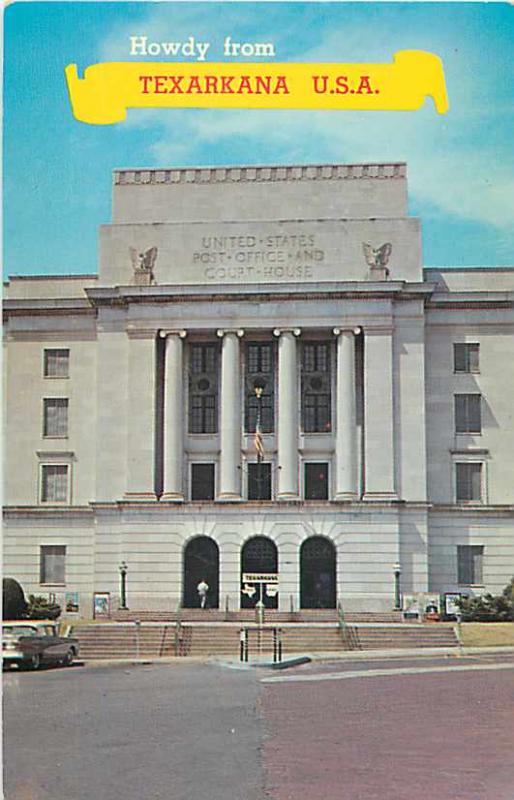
column 201, row 563
column 259, row 555
column 317, row 573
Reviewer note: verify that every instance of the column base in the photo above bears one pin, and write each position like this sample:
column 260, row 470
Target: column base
column 346, row 497
column 172, row 497
column 288, row 496
column 228, row 497
column 379, row 496
column 140, row 497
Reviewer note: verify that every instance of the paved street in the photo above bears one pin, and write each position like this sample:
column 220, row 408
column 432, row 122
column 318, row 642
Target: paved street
column 132, row 733
column 431, row 729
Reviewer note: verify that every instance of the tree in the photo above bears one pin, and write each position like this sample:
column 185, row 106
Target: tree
column 13, row 600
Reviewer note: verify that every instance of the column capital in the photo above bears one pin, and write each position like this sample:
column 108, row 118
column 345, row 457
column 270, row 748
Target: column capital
column 165, row 333
column 221, row 332
column 346, row 329
column 280, row 331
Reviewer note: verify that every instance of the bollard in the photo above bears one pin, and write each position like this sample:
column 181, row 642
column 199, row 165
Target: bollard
column 137, row 623
column 275, row 643
column 280, row 644
column 259, row 612
column 242, row 638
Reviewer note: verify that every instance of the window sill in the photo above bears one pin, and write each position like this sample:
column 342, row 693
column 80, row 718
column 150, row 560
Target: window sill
column 50, row 436
column 52, row 585
column 56, row 377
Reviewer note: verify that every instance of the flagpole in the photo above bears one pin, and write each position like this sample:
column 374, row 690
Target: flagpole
column 258, row 395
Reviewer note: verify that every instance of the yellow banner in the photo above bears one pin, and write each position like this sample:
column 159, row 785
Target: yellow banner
column 107, row 90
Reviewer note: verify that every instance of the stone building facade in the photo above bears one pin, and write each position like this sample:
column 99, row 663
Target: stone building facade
column 262, row 378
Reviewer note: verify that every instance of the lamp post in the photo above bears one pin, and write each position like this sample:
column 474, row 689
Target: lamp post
column 397, row 588
column 123, row 586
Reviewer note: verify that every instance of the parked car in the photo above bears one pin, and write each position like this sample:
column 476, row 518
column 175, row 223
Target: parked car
column 30, row 643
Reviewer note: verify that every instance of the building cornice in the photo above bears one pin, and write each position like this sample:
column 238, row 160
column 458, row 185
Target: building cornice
column 260, row 174
column 440, row 301
column 55, row 307
column 368, row 290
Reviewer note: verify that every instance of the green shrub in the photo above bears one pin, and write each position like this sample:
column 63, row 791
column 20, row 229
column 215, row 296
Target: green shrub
column 488, row 607
column 14, row 605
column 40, row 608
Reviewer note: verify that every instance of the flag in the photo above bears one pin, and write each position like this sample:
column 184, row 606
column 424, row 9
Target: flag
column 258, row 442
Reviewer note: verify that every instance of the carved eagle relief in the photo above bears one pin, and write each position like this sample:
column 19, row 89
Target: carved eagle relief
column 143, row 262
column 379, row 257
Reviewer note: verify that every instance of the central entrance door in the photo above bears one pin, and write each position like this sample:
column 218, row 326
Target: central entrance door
column 201, row 563
column 259, row 555
column 317, row 573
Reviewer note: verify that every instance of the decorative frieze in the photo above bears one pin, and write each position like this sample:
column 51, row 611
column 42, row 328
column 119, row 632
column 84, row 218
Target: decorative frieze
column 215, row 175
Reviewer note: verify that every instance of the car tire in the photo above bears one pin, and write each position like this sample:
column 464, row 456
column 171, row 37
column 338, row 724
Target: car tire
column 35, row 661
column 70, row 655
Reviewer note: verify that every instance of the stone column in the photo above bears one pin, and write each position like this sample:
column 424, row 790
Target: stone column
column 346, row 426
column 141, row 415
column 287, row 433
column 173, row 434
column 230, row 417
column 379, row 414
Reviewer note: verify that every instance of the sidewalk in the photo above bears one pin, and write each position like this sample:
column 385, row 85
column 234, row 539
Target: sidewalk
column 358, row 655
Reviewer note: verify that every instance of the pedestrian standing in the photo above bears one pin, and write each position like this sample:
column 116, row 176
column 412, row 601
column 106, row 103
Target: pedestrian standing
column 202, row 589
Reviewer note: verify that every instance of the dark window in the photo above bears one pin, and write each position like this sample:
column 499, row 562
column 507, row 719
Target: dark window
column 465, row 357
column 469, row 564
column 259, row 481
column 259, row 373
column 54, row 483
column 55, row 416
column 52, row 562
column 468, row 482
column 468, row 417
column 56, row 363
column 202, row 481
column 316, row 481
column 203, row 388
column 316, row 388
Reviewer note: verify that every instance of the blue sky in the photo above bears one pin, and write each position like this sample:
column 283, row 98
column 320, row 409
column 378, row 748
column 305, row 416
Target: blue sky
column 57, row 171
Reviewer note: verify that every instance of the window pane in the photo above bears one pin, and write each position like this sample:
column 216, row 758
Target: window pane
column 54, row 483
column 466, row 357
column 55, row 412
column 316, row 481
column 468, row 417
column 203, row 388
column 468, row 482
column 259, row 372
column 56, row 363
column 202, row 482
column 469, row 564
column 259, row 481
column 316, row 388
column 52, row 564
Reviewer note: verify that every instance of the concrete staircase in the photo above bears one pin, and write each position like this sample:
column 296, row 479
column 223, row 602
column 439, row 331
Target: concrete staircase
column 155, row 640
column 406, row 636
column 248, row 616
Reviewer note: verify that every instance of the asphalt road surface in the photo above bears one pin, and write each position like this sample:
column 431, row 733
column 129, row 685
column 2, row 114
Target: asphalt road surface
column 427, row 729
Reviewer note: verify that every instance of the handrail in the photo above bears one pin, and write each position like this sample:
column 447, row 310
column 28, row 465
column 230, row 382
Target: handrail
column 178, row 631
column 348, row 634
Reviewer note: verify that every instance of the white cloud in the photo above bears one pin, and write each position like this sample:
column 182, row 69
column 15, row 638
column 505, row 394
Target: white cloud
column 453, row 164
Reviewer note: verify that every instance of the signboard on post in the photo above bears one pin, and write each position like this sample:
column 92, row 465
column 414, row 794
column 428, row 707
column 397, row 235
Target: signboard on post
column 260, row 577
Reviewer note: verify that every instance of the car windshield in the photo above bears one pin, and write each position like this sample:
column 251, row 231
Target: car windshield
column 18, row 630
